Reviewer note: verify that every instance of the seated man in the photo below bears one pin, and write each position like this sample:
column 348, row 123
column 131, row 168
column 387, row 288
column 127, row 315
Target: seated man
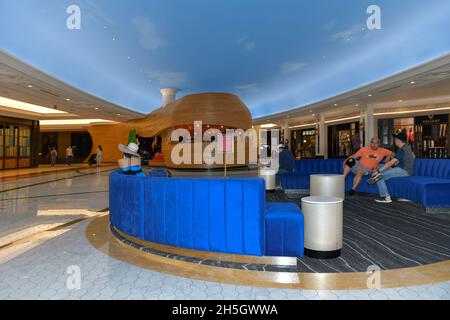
column 369, row 159
column 286, row 162
column 401, row 165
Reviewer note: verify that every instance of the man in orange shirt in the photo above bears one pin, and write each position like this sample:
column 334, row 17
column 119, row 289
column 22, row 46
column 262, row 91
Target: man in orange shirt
column 369, row 159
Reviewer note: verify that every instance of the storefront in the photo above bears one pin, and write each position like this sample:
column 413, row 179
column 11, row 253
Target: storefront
column 17, row 143
column 80, row 141
column 428, row 135
column 340, row 139
column 303, row 143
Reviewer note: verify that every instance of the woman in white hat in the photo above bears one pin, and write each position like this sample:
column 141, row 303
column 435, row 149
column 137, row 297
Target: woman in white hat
column 130, row 164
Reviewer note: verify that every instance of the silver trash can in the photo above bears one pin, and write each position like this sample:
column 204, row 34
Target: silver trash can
column 269, row 175
column 323, row 226
column 329, row 185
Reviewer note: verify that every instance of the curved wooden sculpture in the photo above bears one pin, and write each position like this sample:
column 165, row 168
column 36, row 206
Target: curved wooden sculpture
column 215, row 110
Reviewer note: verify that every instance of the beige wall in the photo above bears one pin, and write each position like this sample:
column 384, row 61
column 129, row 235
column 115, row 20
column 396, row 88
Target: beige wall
column 63, row 143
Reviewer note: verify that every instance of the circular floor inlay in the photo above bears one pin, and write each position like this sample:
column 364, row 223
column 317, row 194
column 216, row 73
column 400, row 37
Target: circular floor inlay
column 99, row 234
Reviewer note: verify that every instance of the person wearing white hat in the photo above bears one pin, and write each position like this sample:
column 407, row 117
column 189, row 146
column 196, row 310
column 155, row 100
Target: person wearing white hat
column 130, row 164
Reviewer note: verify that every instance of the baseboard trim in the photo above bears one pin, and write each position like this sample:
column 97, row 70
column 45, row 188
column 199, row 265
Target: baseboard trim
column 432, row 210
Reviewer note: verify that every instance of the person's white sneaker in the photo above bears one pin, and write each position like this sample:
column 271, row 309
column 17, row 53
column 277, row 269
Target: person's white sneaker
column 384, row 200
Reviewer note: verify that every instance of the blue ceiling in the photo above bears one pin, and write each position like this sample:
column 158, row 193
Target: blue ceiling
column 276, row 55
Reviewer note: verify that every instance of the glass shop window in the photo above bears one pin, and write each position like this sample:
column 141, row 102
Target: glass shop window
column 1, row 140
column 11, row 141
column 24, row 141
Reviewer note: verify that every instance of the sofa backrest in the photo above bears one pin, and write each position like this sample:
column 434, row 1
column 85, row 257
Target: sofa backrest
column 438, row 168
column 318, row 166
column 126, row 203
column 220, row 215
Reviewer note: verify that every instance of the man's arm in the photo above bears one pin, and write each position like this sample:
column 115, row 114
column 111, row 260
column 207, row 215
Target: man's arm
column 354, row 156
column 386, row 166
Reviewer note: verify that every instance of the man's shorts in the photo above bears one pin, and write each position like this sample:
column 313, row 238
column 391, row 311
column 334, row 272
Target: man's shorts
column 359, row 167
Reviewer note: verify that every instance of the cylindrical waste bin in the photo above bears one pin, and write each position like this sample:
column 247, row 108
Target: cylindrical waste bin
column 323, row 226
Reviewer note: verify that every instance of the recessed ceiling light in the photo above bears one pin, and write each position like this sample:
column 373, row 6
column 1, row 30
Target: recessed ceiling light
column 335, row 104
column 369, row 95
column 96, row 108
column 412, row 82
column 67, row 99
column 29, row 86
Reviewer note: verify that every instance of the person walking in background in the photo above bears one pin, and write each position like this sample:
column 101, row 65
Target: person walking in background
column 53, row 157
column 356, row 143
column 99, row 155
column 69, row 155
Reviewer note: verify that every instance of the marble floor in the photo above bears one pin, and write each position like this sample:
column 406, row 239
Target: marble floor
column 44, row 253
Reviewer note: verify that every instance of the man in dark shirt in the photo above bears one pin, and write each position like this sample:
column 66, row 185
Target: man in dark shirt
column 401, row 165
column 286, row 162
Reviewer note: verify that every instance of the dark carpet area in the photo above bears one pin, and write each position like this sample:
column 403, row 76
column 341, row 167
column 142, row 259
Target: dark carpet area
column 390, row 236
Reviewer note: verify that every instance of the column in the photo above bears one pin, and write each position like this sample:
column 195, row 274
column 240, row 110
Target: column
column 321, row 135
column 370, row 127
column 286, row 132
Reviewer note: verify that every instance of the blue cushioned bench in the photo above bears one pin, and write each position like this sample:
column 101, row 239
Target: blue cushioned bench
column 299, row 179
column 429, row 185
column 219, row 215
column 158, row 173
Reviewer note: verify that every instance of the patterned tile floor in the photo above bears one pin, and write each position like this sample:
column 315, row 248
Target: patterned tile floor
column 63, row 265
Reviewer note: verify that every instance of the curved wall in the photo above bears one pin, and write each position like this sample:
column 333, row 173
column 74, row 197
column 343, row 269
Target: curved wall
column 218, row 109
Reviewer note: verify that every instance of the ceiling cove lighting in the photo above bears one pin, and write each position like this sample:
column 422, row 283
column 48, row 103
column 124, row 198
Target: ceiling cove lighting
column 343, row 119
column 72, row 122
column 268, row 126
column 14, row 104
column 410, row 111
column 303, row 125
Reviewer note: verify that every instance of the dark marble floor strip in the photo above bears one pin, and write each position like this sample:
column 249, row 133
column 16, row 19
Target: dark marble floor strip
column 206, row 262
column 80, row 174
column 53, row 195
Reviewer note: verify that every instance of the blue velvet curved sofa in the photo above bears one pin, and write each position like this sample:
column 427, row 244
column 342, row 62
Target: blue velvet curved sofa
column 429, row 186
column 218, row 215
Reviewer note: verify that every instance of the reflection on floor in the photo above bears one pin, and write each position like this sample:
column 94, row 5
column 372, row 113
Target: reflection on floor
column 42, row 264
column 42, row 169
